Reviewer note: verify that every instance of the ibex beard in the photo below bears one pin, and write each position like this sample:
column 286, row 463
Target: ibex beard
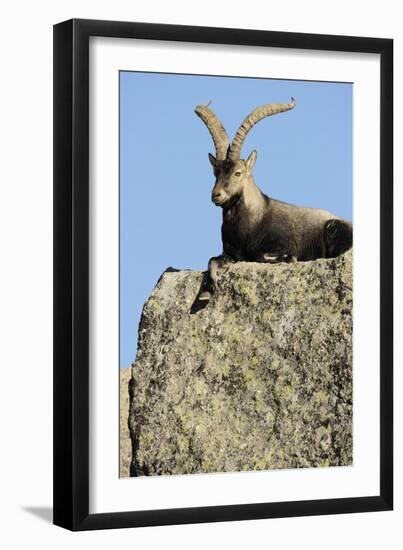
column 255, row 227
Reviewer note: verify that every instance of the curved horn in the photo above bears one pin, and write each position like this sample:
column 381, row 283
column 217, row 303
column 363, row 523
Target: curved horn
column 253, row 118
column 216, row 129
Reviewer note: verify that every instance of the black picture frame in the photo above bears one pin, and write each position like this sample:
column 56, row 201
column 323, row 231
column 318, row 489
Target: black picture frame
column 71, row 274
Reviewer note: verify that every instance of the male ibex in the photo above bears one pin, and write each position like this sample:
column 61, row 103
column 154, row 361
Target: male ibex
column 255, row 227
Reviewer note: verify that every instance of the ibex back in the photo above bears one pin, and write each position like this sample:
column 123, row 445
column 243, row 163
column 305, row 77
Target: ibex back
column 256, row 227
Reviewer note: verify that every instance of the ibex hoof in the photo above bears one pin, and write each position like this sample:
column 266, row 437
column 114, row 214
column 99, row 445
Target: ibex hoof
column 271, row 258
column 204, row 296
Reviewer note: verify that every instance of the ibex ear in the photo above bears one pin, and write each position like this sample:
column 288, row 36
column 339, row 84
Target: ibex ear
column 212, row 160
column 251, row 160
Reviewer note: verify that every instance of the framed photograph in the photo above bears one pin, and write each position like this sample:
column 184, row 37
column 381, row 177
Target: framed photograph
column 223, row 274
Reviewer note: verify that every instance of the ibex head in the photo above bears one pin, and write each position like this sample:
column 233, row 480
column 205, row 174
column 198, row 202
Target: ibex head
column 231, row 172
column 231, row 178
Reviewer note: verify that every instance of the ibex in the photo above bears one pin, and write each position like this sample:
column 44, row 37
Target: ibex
column 255, row 227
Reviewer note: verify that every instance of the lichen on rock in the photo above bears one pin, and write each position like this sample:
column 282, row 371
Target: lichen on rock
column 259, row 379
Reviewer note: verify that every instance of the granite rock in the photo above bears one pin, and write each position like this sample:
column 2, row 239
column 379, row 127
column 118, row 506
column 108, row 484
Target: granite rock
column 259, row 379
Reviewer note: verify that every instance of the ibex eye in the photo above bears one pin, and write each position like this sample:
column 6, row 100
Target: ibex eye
column 237, row 173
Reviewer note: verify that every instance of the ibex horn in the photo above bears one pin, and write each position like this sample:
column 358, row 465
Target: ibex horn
column 216, row 129
column 253, row 118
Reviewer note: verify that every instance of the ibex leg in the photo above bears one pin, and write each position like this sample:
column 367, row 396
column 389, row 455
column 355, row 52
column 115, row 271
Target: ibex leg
column 275, row 259
column 210, row 285
column 338, row 237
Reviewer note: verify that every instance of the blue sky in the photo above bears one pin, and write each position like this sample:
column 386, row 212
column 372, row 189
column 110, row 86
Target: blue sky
column 166, row 215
